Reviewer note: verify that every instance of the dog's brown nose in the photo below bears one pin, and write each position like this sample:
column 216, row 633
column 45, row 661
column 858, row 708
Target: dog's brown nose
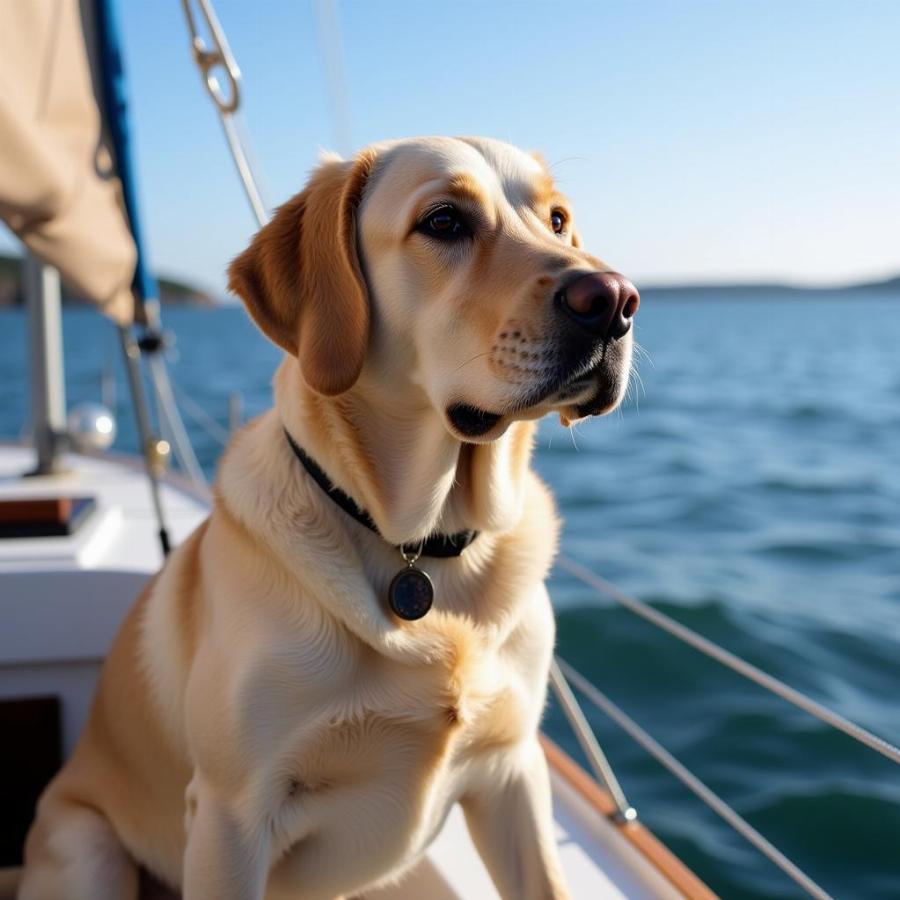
column 603, row 303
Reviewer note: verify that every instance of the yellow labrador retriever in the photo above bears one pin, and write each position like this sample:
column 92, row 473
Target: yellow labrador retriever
column 359, row 635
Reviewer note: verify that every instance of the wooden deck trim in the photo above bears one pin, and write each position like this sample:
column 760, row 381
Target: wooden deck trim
column 638, row 835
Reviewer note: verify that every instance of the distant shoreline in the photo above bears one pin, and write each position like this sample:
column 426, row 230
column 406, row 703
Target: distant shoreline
column 175, row 292
column 888, row 285
column 172, row 291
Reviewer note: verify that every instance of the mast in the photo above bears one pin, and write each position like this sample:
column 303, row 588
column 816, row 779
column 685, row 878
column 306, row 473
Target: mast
column 41, row 286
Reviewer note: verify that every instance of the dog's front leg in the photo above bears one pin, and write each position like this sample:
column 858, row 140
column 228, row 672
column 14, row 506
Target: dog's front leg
column 510, row 818
column 225, row 857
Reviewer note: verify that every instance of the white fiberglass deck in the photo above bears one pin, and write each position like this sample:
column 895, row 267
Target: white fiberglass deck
column 61, row 601
column 62, row 598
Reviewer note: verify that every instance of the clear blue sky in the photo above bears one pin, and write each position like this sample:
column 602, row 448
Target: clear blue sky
column 726, row 139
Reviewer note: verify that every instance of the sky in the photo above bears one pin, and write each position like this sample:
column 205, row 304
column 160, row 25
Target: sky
column 727, row 140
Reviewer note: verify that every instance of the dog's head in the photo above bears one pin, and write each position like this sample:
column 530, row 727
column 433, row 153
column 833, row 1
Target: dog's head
column 452, row 266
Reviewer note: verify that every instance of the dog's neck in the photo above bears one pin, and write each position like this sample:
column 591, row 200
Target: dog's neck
column 399, row 462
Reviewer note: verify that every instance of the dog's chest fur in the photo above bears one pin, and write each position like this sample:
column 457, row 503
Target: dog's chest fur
column 369, row 759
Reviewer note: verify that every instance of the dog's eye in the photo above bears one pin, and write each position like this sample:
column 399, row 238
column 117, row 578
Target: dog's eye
column 445, row 224
column 558, row 221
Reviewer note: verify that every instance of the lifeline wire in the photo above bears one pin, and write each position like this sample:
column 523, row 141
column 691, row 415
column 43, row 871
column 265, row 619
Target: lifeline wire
column 693, row 783
column 735, row 663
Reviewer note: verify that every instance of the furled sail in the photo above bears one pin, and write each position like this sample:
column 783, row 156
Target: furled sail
column 60, row 190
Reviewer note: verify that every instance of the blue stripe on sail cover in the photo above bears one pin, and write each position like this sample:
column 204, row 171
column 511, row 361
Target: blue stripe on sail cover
column 115, row 98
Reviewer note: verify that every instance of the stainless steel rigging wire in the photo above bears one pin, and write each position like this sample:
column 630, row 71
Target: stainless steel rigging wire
column 170, row 420
column 726, row 658
column 589, row 743
column 693, row 783
column 211, row 61
column 132, row 355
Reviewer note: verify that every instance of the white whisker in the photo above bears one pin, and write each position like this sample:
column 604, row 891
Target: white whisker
column 574, row 442
column 477, row 356
column 642, row 353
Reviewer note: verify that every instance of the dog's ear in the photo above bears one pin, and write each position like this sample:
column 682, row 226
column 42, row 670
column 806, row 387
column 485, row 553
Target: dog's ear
column 302, row 281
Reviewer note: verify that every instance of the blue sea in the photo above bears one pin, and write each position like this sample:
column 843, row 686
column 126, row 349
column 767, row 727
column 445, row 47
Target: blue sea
column 750, row 488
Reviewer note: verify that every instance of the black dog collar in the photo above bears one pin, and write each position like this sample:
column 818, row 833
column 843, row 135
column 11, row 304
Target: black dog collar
column 411, row 592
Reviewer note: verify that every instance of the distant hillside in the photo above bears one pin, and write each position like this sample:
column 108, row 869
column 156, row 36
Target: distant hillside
column 889, row 284
column 172, row 291
column 742, row 290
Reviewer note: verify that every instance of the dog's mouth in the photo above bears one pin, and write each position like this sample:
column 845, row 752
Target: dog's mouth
column 471, row 421
column 593, row 388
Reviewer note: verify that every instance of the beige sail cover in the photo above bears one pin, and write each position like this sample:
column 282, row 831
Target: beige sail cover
column 58, row 189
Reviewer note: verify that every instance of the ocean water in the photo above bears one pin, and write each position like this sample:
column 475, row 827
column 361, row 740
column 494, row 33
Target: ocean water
column 750, row 489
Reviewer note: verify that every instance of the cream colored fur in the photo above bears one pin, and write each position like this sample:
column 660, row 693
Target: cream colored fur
column 264, row 727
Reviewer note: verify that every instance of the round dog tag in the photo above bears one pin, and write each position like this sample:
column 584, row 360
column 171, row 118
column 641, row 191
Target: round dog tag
column 411, row 593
